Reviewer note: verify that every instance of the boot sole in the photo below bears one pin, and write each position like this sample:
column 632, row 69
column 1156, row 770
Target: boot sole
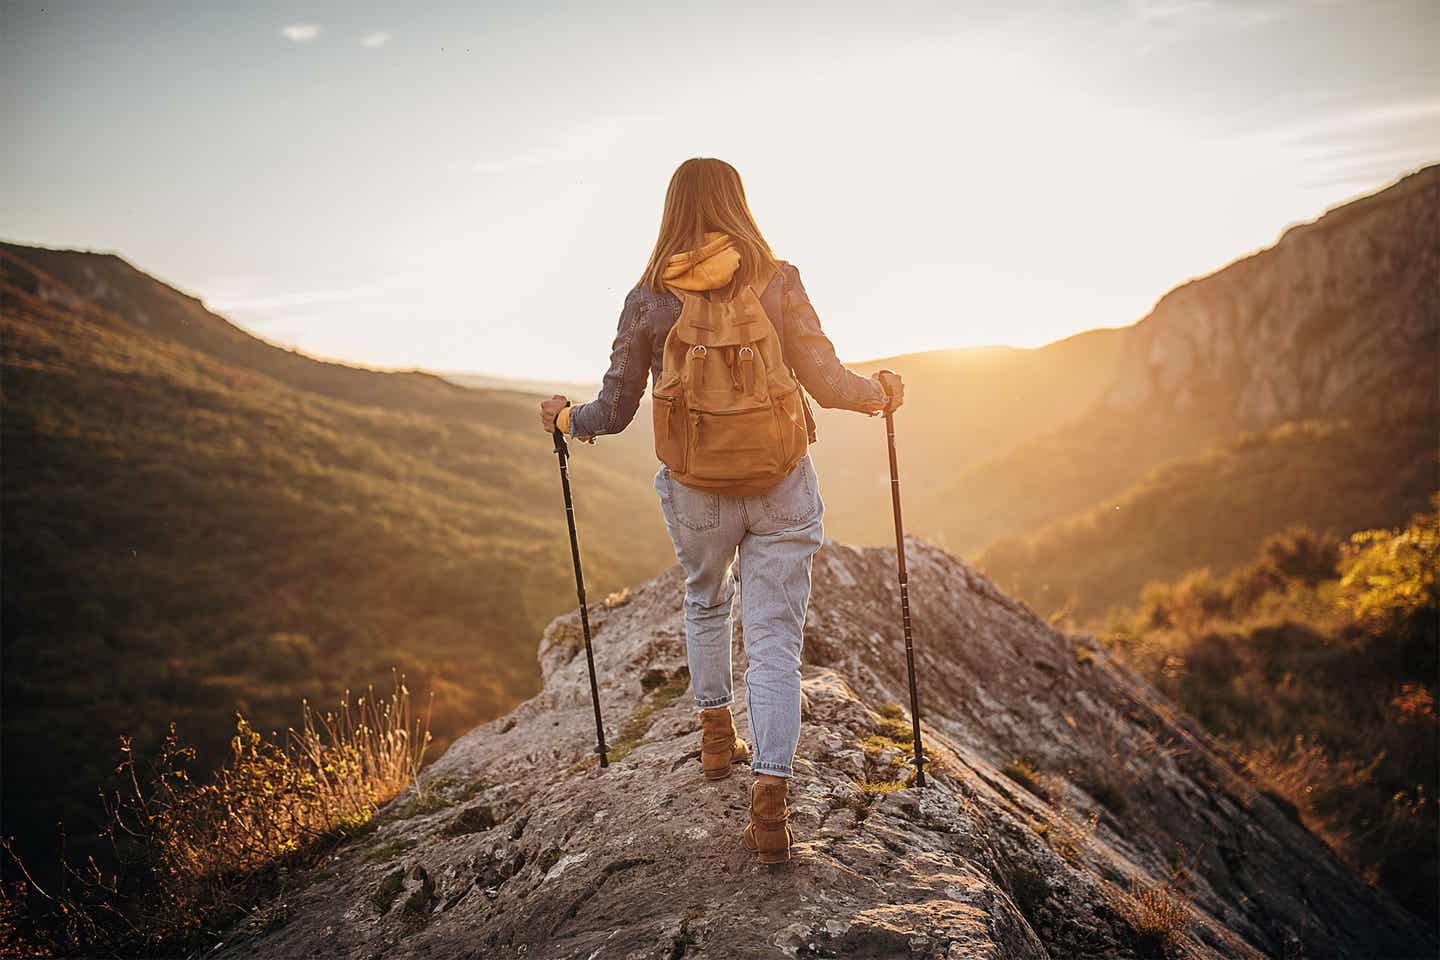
column 720, row 773
column 767, row 856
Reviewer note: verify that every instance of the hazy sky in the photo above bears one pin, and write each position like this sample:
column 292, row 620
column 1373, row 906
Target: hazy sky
column 476, row 187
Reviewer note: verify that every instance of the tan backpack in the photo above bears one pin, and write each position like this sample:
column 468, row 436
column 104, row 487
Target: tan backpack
column 729, row 415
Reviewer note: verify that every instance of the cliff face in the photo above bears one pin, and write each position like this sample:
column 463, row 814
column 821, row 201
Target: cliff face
column 516, row 844
column 1340, row 316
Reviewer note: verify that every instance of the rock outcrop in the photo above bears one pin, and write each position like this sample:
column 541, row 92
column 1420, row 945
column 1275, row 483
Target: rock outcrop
column 1340, row 316
column 1071, row 811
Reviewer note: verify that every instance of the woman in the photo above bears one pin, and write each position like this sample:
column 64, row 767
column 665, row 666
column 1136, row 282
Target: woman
column 710, row 247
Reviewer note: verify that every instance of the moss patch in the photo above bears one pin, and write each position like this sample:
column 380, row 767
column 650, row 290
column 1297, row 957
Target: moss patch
column 633, row 731
column 385, row 894
column 389, row 851
column 429, row 797
column 897, row 729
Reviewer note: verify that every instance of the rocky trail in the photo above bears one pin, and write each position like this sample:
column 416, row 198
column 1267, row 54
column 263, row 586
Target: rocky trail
column 1071, row 811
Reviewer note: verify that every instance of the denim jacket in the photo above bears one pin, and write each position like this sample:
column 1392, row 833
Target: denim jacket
column 639, row 347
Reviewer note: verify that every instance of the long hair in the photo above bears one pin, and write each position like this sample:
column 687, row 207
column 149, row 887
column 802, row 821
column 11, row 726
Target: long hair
column 706, row 194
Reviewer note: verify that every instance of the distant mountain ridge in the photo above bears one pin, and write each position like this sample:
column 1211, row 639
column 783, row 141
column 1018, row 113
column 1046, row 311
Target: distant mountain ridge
column 124, row 294
column 961, row 407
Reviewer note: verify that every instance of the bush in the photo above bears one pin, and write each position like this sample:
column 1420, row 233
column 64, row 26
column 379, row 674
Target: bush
column 1317, row 663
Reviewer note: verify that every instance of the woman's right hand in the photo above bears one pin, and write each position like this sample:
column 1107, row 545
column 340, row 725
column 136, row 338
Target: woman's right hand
column 894, row 388
column 549, row 409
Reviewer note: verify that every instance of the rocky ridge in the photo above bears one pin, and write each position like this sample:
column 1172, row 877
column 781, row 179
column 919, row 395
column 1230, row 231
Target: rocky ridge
column 1339, row 317
column 1071, row 810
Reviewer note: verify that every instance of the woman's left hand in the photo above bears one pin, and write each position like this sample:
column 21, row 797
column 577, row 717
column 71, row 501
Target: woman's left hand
column 549, row 409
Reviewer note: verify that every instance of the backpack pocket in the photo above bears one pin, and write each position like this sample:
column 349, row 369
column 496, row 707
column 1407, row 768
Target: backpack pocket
column 733, row 445
column 790, row 418
column 672, row 427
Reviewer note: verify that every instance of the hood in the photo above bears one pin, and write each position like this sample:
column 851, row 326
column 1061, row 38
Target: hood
column 708, row 268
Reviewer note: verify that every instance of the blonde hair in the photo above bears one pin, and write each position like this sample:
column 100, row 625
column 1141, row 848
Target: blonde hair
column 706, row 194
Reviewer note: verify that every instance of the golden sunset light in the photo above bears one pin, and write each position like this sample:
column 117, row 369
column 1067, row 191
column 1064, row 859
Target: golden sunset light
column 741, row 481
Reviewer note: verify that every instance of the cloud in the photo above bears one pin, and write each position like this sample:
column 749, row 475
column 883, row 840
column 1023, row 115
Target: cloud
column 376, row 39
column 300, row 32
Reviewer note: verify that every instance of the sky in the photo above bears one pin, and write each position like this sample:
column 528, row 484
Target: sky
column 475, row 187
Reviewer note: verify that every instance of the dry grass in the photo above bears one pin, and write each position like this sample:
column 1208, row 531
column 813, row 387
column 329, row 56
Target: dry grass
column 1066, row 833
column 1157, row 913
column 190, row 857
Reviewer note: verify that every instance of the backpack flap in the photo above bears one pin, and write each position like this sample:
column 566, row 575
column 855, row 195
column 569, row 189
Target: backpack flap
column 722, row 323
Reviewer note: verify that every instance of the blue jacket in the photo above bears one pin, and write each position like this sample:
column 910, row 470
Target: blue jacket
column 640, row 343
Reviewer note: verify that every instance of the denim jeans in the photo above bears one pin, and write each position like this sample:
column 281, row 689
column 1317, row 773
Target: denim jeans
column 765, row 544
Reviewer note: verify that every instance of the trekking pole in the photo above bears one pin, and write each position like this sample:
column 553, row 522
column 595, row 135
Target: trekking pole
column 562, row 451
column 904, row 596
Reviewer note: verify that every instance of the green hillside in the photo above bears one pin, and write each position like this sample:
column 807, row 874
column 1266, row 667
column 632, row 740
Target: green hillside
column 1215, row 510
column 186, row 536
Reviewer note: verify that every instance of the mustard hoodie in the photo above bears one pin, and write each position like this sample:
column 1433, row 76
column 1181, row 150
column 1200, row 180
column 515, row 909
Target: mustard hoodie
column 708, row 268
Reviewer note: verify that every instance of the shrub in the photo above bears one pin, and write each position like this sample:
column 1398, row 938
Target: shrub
column 1316, row 663
column 1158, row 915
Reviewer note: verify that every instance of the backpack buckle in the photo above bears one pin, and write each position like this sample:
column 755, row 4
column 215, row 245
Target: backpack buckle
column 697, row 366
column 747, row 365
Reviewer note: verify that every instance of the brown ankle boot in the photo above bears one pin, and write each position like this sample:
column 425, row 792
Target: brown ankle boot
column 769, row 829
column 719, row 746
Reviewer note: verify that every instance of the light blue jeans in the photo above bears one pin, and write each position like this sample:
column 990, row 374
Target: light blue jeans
column 775, row 536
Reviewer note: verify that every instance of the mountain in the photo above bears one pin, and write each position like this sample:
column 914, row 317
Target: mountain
column 1071, row 810
column 196, row 522
column 1339, row 319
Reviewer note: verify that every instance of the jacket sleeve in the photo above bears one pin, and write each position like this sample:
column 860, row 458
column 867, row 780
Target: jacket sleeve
column 624, row 382
column 811, row 354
